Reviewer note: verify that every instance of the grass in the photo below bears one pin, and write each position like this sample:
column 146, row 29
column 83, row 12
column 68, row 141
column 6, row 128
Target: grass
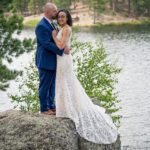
column 31, row 23
column 129, row 23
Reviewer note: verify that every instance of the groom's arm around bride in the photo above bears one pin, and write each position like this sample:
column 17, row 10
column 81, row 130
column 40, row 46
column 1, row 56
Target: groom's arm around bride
column 44, row 38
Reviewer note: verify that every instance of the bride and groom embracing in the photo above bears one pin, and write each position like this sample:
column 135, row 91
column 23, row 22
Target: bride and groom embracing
column 58, row 80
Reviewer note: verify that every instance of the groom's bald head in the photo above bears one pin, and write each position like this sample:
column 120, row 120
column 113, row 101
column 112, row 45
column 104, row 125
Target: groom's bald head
column 50, row 10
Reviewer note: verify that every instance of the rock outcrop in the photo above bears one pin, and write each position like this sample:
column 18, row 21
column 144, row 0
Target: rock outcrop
column 33, row 131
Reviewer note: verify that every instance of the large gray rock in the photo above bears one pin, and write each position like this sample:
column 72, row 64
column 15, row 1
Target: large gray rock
column 33, row 131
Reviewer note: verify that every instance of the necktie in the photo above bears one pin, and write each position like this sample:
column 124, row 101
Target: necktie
column 54, row 26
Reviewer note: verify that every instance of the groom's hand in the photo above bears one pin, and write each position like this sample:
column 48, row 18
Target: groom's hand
column 67, row 50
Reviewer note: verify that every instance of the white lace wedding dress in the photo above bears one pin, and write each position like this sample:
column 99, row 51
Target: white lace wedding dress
column 91, row 121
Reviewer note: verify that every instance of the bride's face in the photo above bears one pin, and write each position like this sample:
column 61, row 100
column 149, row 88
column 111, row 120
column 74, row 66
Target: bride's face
column 62, row 19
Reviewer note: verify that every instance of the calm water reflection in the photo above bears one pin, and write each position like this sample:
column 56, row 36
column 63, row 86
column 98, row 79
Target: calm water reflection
column 131, row 49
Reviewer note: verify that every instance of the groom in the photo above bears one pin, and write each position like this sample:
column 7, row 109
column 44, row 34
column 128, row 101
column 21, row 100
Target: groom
column 46, row 59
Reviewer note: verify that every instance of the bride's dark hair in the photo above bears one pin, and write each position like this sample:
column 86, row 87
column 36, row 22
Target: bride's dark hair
column 68, row 15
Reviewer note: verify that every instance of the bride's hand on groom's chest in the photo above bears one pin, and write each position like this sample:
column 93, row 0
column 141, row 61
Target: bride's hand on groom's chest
column 54, row 33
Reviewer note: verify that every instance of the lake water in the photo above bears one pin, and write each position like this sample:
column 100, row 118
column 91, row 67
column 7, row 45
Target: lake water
column 131, row 49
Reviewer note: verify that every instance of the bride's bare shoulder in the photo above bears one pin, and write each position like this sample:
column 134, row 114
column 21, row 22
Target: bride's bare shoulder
column 67, row 29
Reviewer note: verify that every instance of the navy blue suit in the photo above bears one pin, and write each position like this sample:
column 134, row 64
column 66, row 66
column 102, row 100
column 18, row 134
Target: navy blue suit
column 46, row 62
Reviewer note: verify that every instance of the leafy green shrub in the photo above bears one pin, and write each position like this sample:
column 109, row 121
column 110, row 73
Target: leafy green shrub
column 126, row 14
column 97, row 75
column 113, row 13
column 27, row 99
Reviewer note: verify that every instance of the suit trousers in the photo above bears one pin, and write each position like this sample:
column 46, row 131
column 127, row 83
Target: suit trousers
column 46, row 89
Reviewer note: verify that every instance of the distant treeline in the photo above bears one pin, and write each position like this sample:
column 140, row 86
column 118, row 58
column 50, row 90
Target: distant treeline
column 130, row 7
column 28, row 7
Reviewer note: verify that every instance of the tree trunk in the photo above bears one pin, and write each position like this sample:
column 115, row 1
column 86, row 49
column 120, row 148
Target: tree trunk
column 129, row 6
column 148, row 11
column 94, row 15
column 114, row 4
column 111, row 4
column 137, row 9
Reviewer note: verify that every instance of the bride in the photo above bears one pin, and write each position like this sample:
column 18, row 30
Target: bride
column 91, row 121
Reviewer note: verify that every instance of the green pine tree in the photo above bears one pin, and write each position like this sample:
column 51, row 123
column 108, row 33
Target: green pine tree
column 9, row 46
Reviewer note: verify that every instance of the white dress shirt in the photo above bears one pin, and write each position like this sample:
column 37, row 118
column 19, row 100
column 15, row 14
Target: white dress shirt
column 50, row 21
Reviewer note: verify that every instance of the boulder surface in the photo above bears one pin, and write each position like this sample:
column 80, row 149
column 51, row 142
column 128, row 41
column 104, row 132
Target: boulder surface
column 34, row 131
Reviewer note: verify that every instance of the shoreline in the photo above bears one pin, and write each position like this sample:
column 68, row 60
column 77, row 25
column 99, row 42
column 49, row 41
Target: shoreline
column 132, row 22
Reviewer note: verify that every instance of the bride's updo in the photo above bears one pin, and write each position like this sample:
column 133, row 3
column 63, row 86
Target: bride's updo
column 68, row 15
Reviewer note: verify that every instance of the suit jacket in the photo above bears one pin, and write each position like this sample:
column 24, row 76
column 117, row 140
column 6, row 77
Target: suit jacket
column 46, row 48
